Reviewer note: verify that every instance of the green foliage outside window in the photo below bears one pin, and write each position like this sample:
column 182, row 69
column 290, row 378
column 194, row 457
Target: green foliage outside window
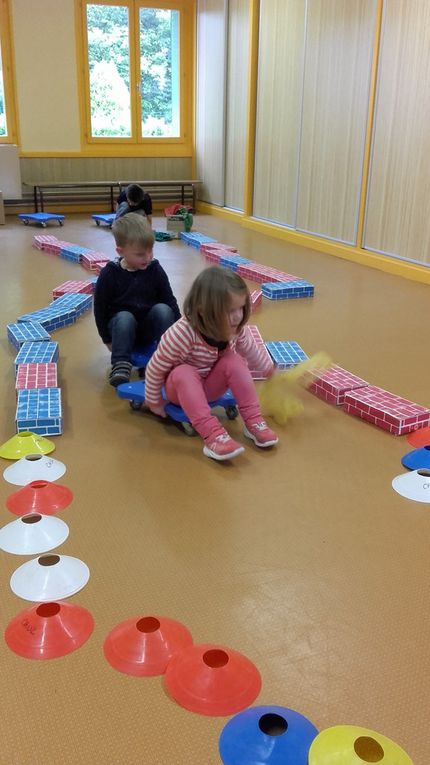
column 109, row 66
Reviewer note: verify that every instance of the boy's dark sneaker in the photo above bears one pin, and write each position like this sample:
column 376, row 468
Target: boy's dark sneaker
column 120, row 373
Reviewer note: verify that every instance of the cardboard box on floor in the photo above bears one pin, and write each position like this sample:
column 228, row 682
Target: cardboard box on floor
column 176, row 223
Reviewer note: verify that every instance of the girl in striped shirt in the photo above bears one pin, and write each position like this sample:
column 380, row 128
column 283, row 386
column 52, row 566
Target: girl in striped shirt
column 206, row 352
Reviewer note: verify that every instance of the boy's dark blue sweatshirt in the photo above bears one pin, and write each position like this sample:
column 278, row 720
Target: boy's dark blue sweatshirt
column 135, row 291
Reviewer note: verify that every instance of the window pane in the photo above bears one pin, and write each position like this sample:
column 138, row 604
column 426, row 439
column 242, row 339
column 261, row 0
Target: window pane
column 3, row 125
column 109, row 69
column 159, row 71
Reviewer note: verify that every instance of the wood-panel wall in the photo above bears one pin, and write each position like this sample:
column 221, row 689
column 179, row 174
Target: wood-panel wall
column 210, row 98
column 237, row 100
column 74, row 169
column 279, row 103
column 339, row 36
column 317, row 163
column 397, row 219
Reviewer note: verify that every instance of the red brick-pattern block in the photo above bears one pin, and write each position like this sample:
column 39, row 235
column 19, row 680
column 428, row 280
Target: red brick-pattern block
column 386, row 410
column 42, row 375
column 332, row 384
column 83, row 288
column 217, row 246
column 255, row 272
column 52, row 247
column 92, row 260
column 256, row 299
column 99, row 265
column 40, row 240
column 213, row 256
column 258, row 374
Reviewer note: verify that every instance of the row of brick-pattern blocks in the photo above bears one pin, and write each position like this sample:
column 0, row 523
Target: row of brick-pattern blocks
column 336, row 385
column 39, row 406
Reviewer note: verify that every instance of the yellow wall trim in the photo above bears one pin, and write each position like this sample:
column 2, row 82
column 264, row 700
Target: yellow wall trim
column 7, row 53
column 401, row 268
column 370, row 119
column 221, row 212
column 254, row 30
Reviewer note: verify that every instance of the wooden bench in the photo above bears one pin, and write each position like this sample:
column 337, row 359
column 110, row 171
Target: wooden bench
column 107, row 191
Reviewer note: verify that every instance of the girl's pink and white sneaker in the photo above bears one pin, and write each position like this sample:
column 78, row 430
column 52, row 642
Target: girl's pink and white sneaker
column 222, row 447
column 261, row 434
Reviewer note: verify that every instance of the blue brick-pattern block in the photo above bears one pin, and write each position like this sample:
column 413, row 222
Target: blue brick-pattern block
column 232, row 261
column 39, row 410
column 74, row 301
column 52, row 317
column 26, row 332
column 73, row 252
column 195, row 239
column 37, row 353
column 286, row 354
column 287, row 290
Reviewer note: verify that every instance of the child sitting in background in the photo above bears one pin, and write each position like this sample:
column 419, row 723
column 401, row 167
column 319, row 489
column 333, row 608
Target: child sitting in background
column 133, row 299
column 134, row 199
column 206, row 352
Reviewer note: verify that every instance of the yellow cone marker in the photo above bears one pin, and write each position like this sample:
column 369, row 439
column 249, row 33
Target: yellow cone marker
column 25, row 443
column 351, row 745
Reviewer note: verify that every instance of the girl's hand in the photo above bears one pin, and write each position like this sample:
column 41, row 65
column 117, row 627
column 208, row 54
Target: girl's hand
column 158, row 410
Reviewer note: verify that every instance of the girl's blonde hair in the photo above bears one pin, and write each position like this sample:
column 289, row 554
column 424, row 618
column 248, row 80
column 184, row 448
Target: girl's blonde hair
column 207, row 304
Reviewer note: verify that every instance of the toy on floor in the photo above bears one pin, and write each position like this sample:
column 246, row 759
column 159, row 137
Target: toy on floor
column 106, row 218
column 350, row 744
column 143, row 646
column 279, row 396
column 267, row 735
column 41, row 218
column 419, row 437
column 49, row 630
column 141, row 356
column 49, row 577
column 135, row 393
column 212, row 680
column 33, row 534
column 164, row 236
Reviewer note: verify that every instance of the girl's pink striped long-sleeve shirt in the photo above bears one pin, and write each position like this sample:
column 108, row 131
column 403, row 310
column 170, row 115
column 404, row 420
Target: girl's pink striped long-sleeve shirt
column 181, row 344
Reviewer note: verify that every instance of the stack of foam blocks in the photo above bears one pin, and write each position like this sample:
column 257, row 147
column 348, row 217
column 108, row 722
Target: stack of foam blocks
column 39, row 407
column 386, row 410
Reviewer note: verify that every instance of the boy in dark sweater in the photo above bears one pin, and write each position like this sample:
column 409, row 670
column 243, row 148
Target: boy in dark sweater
column 133, row 300
column 134, row 199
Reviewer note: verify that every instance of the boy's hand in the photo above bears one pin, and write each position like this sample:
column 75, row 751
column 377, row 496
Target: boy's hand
column 158, row 410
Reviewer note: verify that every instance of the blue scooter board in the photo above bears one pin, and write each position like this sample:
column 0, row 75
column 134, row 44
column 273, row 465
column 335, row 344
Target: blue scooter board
column 141, row 356
column 135, row 393
column 107, row 218
column 41, row 218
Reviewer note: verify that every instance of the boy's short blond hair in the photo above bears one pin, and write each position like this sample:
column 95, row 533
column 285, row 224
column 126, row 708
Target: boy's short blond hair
column 207, row 303
column 133, row 229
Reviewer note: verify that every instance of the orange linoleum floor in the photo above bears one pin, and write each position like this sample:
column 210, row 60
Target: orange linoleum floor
column 304, row 558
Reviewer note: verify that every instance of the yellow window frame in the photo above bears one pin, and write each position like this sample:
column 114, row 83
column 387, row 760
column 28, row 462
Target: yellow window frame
column 146, row 146
column 8, row 74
